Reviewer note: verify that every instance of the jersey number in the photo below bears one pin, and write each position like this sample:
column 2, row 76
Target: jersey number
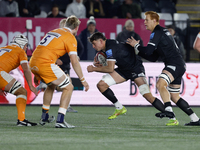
column 48, row 38
column 2, row 51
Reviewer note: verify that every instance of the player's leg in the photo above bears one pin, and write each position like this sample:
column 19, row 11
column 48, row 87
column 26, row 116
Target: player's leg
column 69, row 109
column 10, row 85
column 183, row 105
column 103, row 86
column 165, row 78
column 67, row 88
column 145, row 92
column 47, row 97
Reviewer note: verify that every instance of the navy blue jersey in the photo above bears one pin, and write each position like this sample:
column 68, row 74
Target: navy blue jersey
column 122, row 53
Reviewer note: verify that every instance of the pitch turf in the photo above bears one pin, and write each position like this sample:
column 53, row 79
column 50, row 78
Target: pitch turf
column 139, row 129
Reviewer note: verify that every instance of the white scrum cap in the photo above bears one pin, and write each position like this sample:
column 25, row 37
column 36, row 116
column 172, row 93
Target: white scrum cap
column 21, row 40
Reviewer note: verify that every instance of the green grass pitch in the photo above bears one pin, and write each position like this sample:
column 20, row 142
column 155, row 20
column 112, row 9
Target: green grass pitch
column 139, row 129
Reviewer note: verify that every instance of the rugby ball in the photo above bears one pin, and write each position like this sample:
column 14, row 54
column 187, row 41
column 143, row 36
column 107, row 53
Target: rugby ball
column 101, row 58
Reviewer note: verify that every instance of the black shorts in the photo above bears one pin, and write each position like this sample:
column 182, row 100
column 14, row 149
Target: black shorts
column 176, row 71
column 132, row 73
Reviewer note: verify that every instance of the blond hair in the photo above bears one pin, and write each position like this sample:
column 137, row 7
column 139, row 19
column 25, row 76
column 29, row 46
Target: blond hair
column 72, row 22
column 62, row 23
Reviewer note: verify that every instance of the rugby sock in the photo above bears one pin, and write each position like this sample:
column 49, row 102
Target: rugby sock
column 184, row 106
column 60, row 118
column 158, row 105
column 61, row 115
column 110, row 95
column 21, row 106
column 168, row 107
column 45, row 110
column 118, row 105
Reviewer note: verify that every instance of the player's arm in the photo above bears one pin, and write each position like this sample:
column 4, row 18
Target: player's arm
column 153, row 57
column 148, row 50
column 28, row 77
column 104, row 69
column 196, row 44
column 77, row 68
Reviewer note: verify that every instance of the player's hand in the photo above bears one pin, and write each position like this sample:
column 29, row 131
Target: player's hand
column 85, row 84
column 90, row 68
column 59, row 62
column 96, row 63
column 36, row 81
column 131, row 41
column 34, row 90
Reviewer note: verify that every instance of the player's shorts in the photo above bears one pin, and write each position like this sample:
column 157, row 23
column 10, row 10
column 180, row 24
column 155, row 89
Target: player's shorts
column 176, row 71
column 132, row 73
column 5, row 78
column 46, row 72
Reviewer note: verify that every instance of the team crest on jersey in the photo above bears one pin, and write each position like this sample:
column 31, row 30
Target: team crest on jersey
column 152, row 35
column 109, row 53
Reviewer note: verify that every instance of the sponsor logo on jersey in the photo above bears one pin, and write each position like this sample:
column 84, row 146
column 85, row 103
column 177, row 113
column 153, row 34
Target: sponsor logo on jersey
column 109, row 53
column 152, row 35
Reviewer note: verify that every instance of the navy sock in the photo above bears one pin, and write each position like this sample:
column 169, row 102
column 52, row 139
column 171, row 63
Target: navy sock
column 60, row 118
column 45, row 115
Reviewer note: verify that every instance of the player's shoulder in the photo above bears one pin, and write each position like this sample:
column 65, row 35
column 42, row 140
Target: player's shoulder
column 15, row 48
column 111, row 42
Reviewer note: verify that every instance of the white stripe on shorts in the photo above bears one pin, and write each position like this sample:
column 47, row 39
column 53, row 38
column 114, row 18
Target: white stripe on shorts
column 57, row 71
column 6, row 76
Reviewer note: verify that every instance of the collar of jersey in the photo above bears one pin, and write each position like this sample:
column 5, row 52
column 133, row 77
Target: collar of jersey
column 68, row 29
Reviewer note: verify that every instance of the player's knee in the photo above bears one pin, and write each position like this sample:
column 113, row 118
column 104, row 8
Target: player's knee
column 21, row 91
column 108, row 79
column 65, row 83
column 69, row 87
column 164, row 81
column 101, row 84
column 17, row 88
column 160, row 86
column 144, row 89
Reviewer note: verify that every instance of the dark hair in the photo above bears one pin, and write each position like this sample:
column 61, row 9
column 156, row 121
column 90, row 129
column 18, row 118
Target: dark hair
column 171, row 26
column 95, row 36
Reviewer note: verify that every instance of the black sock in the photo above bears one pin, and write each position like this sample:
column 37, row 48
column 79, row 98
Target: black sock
column 158, row 105
column 167, row 104
column 184, row 106
column 110, row 95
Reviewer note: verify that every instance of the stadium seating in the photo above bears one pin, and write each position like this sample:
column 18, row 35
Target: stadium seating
column 149, row 5
column 181, row 20
column 42, row 14
column 166, row 6
column 46, row 5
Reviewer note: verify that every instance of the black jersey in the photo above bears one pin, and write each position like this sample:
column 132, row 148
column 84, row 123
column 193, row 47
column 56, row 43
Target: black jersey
column 163, row 45
column 122, row 53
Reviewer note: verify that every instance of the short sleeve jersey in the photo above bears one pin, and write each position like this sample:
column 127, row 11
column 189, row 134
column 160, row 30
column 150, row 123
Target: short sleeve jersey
column 165, row 46
column 55, row 44
column 122, row 53
column 11, row 57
